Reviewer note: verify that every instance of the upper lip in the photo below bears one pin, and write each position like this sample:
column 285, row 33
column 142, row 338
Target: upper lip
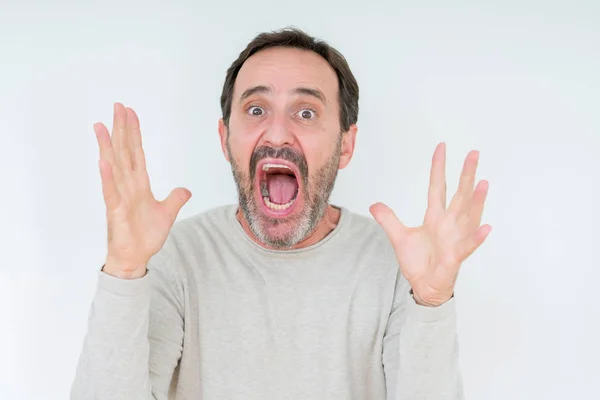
column 288, row 164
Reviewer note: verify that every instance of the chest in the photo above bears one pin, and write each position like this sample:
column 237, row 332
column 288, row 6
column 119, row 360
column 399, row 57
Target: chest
column 282, row 306
column 288, row 327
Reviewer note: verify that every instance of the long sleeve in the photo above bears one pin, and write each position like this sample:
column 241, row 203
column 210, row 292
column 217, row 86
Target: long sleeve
column 134, row 338
column 420, row 350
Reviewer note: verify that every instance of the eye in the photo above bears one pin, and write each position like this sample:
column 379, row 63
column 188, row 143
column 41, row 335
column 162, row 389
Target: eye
column 256, row 111
column 307, row 113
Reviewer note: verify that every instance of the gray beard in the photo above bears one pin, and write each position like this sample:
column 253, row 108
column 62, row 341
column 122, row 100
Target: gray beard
column 316, row 193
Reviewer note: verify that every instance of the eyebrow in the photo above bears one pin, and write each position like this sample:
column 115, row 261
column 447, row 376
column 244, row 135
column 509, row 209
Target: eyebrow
column 300, row 90
column 255, row 89
column 311, row 92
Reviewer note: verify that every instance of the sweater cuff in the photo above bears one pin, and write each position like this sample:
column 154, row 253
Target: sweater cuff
column 123, row 287
column 431, row 314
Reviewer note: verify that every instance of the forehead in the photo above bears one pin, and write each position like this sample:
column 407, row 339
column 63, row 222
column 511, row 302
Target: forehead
column 284, row 69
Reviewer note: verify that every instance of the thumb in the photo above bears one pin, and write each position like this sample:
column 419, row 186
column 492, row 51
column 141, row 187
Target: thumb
column 392, row 226
column 176, row 199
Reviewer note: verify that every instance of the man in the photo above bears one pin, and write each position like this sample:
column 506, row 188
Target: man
column 282, row 296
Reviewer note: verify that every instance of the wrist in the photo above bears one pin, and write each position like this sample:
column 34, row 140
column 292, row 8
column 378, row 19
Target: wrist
column 124, row 270
column 430, row 301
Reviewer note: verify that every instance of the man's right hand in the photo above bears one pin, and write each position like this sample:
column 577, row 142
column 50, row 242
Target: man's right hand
column 138, row 224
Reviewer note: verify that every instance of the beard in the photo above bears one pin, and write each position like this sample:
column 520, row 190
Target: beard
column 315, row 190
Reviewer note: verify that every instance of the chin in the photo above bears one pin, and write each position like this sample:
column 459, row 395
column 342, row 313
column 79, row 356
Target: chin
column 279, row 231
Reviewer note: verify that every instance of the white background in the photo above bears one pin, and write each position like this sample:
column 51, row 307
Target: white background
column 517, row 80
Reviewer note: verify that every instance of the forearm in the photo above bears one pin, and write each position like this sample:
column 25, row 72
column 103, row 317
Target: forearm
column 114, row 360
column 428, row 360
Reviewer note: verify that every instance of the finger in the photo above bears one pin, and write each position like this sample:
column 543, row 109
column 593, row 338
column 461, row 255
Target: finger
column 104, row 143
column 437, row 179
column 469, row 245
column 120, row 138
column 466, row 182
column 176, row 199
column 137, row 151
column 109, row 187
column 478, row 202
column 105, row 147
column 392, row 226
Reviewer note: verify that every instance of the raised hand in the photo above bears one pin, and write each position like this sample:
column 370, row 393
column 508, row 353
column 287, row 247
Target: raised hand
column 138, row 224
column 430, row 255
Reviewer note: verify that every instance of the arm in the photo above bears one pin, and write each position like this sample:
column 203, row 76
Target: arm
column 135, row 325
column 420, row 350
column 134, row 338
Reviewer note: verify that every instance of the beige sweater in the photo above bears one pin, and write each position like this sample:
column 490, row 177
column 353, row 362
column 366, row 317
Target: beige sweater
column 219, row 317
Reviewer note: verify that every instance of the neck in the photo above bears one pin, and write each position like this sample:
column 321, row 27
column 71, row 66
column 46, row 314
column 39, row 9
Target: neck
column 323, row 228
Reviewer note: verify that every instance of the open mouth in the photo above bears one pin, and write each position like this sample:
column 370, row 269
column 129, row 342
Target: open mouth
column 279, row 186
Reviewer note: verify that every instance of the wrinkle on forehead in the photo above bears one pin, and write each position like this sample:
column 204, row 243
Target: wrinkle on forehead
column 284, row 70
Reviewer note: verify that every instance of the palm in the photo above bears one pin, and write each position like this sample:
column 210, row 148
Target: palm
column 430, row 255
column 141, row 227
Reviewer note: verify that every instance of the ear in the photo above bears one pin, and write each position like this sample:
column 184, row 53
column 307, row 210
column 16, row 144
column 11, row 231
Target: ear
column 348, row 141
column 223, row 133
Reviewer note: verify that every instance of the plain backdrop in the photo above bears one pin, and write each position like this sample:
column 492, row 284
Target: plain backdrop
column 517, row 80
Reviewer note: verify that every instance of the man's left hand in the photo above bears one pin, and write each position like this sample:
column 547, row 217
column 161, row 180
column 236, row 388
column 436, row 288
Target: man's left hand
column 431, row 255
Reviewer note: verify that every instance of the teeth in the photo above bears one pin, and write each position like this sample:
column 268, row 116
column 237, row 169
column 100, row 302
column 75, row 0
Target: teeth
column 266, row 167
column 277, row 207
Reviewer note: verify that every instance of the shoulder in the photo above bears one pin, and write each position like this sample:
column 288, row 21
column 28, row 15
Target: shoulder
column 363, row 228
column 362, row 235
column 211, row 221
column 365, row 242
column 191, row 235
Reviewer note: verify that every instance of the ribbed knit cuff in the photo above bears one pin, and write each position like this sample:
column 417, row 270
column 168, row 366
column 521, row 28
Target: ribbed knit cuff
column 124, row 287
column 431, row 314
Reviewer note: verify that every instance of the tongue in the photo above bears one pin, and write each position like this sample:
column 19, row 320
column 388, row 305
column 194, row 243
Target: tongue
column 282, row 188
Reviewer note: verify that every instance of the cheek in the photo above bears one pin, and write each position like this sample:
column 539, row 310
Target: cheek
column 243, row 140
column 317, row 151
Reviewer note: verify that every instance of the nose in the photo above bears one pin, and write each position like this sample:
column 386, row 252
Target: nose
column 278, row 133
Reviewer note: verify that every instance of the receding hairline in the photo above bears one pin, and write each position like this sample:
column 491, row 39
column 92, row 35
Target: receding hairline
column 295, row 39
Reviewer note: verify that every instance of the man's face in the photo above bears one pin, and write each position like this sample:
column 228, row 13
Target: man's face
column 284, row 142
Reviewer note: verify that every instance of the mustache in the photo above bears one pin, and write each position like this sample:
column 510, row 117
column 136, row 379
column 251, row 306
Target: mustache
column 283, row 153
